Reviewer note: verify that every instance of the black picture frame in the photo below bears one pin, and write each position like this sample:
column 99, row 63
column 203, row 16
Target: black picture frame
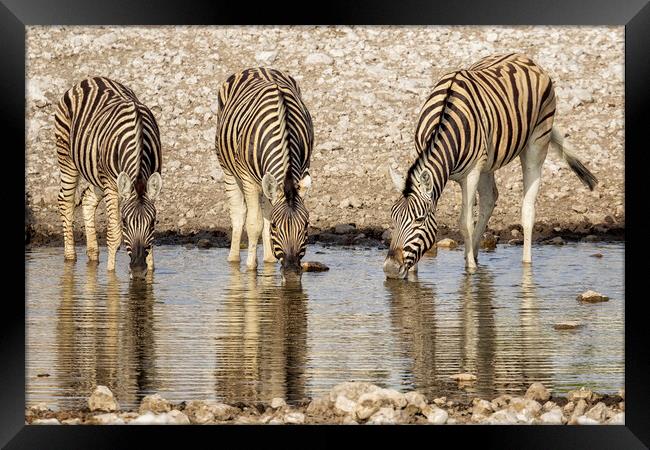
column 633, row 14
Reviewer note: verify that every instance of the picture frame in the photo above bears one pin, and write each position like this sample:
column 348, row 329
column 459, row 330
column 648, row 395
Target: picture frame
column 15, row 15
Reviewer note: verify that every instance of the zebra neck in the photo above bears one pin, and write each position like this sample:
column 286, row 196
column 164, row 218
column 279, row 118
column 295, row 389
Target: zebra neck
column 436, row 165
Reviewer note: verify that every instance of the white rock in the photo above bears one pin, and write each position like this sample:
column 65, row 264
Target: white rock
column 294, row 417
column 584, row 420
column 416, row 399
column 318, row 58
column 344, row 404
column 617, row 419
column 553, row 417
column 107, row 419
column 502, row 417
column 102, row 399
column 51, row 421
column 173, row 417
column 598, row 412
column 435, row 415
column 538, row 392
column 266, row 57
column 154, row 403
column 592, row 297
column 385, row 416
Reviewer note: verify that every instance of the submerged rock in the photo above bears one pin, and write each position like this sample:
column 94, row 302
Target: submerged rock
column 592, row 297
column 313, row 266
column 568, row 325
column 463, row 377
column 447, row 243
column 489, row 242
column 102, row 399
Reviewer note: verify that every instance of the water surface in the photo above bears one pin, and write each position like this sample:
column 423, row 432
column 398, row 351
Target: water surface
column 204, row 328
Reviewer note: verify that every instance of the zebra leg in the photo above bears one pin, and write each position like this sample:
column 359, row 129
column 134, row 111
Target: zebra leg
column 150, row 265
column 89, row 202
column 237, row 214
column 488, row 194
column 269, row 257
column 66, row 199
column 469, row 185
column 254, row 222
column 113, row 225
column 532, row 160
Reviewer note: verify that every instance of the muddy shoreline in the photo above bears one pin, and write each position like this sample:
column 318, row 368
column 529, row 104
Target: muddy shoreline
column 350, row 403
column 350, row 235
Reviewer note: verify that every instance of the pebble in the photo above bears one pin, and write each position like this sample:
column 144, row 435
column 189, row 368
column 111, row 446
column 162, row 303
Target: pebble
column 537, row 392
column 568, row 325
column 102, row 399
column 294, row 418
column 435, row 415
column 51, row 421
column 318, row 58
column 592, row 297
column 204, row 243
column 154, row 403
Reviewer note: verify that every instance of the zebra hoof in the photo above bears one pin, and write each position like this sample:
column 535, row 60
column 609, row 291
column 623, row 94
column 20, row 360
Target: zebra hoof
column 70, row 257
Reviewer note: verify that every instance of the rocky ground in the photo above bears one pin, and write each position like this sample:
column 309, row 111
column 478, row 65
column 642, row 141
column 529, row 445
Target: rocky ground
column 352, row 403
column 364, row 87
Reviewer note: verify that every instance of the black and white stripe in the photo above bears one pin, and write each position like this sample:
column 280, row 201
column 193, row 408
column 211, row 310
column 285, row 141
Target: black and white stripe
column 106, row 135
column 475, row 122
column 264, row 142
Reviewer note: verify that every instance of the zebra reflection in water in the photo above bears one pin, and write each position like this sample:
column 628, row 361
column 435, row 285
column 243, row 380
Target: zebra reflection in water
column 263, row 352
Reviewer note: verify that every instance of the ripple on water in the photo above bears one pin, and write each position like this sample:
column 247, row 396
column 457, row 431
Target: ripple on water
column 204, row 328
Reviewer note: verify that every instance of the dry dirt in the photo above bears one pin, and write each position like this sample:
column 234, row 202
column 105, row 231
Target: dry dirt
column 364, row 87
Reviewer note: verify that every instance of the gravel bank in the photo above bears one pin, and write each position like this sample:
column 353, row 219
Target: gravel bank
column 352, row 403
column 364, row 87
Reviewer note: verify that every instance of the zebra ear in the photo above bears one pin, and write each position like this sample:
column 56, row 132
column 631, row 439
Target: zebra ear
column 426, row 181
column 304, row 184
column 269, row 186
column 154, row 185
column 398, row 180
column 124, row 185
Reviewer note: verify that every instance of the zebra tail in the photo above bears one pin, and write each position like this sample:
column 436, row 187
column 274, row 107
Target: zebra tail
column 566, row 151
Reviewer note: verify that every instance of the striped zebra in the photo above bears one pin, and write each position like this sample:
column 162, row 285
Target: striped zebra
column 475, row 122
column 106, row 135
column 264, row 142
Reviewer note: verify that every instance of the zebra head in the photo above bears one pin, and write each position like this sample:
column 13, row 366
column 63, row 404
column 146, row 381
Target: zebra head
column 289, row 220
column 414, row 222
column 138, row 217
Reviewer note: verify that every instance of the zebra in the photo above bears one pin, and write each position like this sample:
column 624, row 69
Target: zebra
column 264, row 142
column 106, row 135
column 475, row 122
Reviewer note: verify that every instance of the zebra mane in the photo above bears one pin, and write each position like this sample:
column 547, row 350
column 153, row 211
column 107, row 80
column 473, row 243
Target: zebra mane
column 289, row 186
column 421, row 159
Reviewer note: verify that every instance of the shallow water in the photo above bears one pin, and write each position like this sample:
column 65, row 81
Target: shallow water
column 203, row 328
